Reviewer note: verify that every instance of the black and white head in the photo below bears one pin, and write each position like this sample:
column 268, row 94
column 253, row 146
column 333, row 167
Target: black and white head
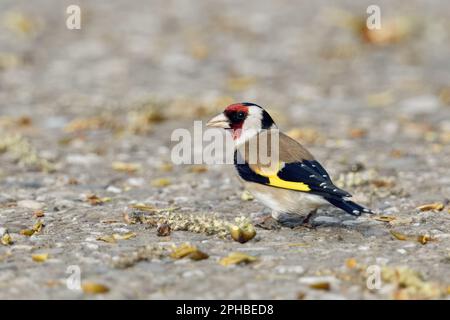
column 244, row 120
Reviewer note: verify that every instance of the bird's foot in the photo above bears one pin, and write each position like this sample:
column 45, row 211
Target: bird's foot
column 296, row 221
column 307, row 223
column 291, row 221
column 265, row 220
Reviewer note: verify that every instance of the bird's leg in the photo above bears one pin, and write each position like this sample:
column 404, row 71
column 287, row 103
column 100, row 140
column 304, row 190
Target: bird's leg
column 265, row 220
column 288, row 220
column 307, row 221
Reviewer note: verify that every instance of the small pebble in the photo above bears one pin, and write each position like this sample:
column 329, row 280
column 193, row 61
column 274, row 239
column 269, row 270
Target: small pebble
column 30, row 204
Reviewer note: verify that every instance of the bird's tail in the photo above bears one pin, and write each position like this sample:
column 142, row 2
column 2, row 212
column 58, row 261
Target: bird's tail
column 348, row 206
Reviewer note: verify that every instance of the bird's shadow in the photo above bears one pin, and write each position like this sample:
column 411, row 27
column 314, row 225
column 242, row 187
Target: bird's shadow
column 322, row 219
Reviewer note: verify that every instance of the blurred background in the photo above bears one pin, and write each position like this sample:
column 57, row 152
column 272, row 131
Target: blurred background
column 88, row 114
column 279, row 53
column 315, row 64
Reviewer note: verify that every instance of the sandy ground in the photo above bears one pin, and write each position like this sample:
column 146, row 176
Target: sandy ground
column 375, row 112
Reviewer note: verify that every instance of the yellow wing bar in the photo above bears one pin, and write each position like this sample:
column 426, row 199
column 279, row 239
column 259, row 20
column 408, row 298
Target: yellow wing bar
column 275, row 181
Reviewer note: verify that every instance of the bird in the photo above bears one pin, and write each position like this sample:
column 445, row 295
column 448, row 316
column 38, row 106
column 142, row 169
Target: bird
column 276, row 169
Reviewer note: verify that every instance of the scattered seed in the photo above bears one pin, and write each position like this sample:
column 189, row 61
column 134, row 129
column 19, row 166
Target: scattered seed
column 242, row 235
column 6, row 239
column 40, row 257
column 94, row 288
column 163, row 230
column 351, row 263
column 321, row 286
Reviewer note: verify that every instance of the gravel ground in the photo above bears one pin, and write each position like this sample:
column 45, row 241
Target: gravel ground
column 86, row 118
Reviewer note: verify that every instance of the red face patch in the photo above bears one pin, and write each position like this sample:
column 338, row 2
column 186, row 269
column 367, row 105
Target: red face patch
column 236, row 107
column 236, row 114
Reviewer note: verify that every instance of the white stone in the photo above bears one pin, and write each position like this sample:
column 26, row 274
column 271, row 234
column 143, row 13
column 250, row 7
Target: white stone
column 30, row 204
column 113, row 189
column 136, row 182
column 290, row 269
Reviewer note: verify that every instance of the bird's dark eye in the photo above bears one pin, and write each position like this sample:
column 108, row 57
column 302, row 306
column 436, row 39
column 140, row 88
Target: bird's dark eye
column 240, row 115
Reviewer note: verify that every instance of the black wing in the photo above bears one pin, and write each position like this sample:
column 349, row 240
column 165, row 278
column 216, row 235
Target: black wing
column 311, row 173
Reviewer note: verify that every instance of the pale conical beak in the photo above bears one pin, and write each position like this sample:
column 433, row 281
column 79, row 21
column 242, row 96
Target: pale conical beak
column 219, row 121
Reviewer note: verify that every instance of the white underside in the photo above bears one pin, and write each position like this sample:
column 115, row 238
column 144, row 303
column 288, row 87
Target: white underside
column 286, row 201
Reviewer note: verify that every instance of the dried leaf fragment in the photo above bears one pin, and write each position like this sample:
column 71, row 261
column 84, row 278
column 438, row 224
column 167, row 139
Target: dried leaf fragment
column 166, row 167
column 39, row 213
column 385, row 218
column 126, row 167
column 424, row 238
column 143, row 207
column 104, row 121
column 107, row 238
column 246, row 196
column 20, row 23
column 160, row 182
column 94, row 288
column 398, row 236
column 94, row 200
column 237, row 258
column 124, row 236
column 383, row 183
column 394, row 30
column 27, row 232
column 357, row 133
column 187, row 250
column 301, row 295
column 198, row 169
column 42, row 257
column 37, row 227
column 298, row 244
column 149, row 208
column 198, row 255
column 437, row 206
column 351, row 263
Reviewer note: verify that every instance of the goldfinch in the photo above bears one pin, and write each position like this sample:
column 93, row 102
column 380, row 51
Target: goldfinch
column 292, row 182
